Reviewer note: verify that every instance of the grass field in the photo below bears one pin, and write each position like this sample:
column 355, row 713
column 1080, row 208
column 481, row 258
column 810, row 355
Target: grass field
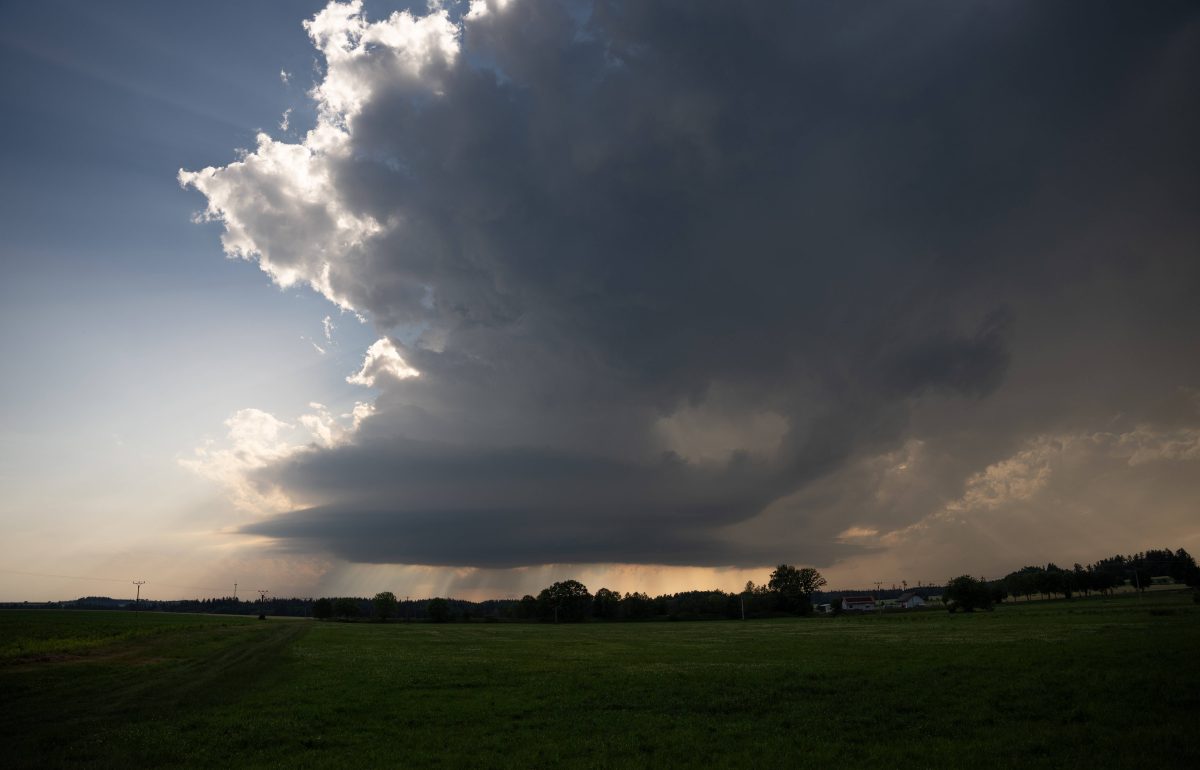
column 1088, row 683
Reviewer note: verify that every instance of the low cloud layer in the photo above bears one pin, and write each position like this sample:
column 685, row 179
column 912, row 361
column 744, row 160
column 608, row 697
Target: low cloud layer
column 705, row 284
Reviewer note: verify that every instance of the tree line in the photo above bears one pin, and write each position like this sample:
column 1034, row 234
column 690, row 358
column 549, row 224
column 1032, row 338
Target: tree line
column 1139, row 571
column 225, row 605
column 789, row 590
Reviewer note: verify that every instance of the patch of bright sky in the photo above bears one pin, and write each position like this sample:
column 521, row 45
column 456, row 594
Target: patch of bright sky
column 128, row 338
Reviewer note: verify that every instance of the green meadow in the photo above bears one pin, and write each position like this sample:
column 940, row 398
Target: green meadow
column 1099, row 682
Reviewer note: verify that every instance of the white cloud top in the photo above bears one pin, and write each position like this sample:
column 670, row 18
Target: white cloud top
column 403, row 51
column 382, row 360
column 686, row 284
column 281, row 204
column 256, row 439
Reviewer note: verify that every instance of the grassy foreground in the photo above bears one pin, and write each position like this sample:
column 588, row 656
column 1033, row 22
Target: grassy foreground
column 1093, row 682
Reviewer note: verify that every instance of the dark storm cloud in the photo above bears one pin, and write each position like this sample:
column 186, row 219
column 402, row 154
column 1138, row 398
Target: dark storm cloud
column 620, row 224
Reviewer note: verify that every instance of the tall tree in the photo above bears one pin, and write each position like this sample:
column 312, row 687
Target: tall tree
column 795, row 587
column 605, row 604
column 1184, row 569
column 1081, row 579
column 565, row 601
column 385, row 605
column 636, row 606
column 527, row 607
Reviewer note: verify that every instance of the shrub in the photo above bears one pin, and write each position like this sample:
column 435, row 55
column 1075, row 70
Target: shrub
column 968, row 594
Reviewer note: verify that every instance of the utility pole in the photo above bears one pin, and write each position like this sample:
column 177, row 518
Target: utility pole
column 743, row 600
column 138, row 601
column 235, row 592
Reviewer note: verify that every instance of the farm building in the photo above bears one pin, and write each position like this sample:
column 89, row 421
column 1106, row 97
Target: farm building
column 910, row 600
column 859, row 603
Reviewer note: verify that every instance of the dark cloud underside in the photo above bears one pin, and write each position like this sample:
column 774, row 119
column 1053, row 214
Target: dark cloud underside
column 677, row 276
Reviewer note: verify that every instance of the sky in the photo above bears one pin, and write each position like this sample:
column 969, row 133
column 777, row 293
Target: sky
column 465, row 298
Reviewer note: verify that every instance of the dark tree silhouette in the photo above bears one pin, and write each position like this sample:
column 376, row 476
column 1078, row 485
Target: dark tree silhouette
column 346, row 608
column 606, row 604
column 795, row 587
column 527, row 608
column 439, row 610
column 567, row 601
column 636, row 606
column 385, row 605
column 967, row 593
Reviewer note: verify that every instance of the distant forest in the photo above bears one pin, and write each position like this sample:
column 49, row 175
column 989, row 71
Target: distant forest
column 788, row 591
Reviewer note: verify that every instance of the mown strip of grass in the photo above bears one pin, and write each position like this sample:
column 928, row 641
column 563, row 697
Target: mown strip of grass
column 1101, row 682
column 108, row 707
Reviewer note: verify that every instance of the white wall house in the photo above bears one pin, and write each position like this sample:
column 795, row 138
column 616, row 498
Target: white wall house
column 858, row 603
column 910, row 600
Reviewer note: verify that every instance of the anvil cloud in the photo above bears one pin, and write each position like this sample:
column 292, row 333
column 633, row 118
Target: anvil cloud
column 717, row 284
